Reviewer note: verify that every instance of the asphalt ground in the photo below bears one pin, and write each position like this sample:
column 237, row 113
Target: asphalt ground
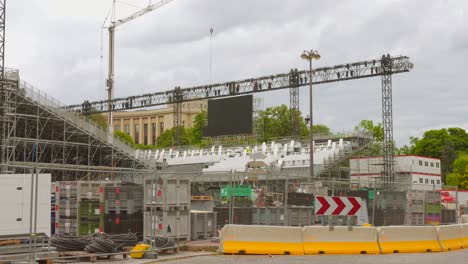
column 453, row 257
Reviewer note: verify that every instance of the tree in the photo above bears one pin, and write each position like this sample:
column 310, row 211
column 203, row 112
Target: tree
column 99, row 119
column 201, row 120
column 275, row 122
column 444, row 144
column 459, row 177
column 166, row 139
column 124, row 137
column 375, row 130
column 321, row 129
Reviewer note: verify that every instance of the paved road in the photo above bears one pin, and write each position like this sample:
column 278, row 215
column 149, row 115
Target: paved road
column 454, row 257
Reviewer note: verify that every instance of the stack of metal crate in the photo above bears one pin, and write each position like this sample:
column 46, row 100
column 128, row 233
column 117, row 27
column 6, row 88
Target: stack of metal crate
column 79, row 207
column 123, row 208
column 433, row 208
column 415, row 207
column 167, row 208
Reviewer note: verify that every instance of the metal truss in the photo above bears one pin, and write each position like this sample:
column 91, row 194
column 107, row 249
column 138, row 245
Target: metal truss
column 387, row 120
column 337, row 73
column 3, row 105
column 177, row 116
column 294, row 103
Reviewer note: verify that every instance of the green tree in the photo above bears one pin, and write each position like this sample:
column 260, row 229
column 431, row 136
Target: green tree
column 99, row 119
column 275, row 122
column 459, row 177
column 375, row 130
column 444, row 144
column 166, row 139
column 321, row 129
column 201, row 120
column 124, row 137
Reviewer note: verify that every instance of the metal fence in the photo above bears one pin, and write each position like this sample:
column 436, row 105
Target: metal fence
column 398, row 203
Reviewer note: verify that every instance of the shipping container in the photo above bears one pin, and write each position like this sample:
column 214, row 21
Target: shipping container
column 202, row 224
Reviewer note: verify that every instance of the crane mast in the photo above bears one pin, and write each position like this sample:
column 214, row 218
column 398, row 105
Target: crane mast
column 111, row 73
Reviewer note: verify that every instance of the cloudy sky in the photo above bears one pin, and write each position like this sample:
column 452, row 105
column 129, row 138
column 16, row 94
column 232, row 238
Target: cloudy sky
column 59, row 47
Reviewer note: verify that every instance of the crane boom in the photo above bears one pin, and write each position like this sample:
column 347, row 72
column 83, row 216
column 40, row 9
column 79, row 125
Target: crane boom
column 111, row 75
column 342, row 72
column 140, row 13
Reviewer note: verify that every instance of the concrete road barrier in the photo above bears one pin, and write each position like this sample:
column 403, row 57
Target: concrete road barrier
column 464, row 219
column 262, row 240
column 340, row 240
column 465, row 235
column 408, row 239
column 451, row 237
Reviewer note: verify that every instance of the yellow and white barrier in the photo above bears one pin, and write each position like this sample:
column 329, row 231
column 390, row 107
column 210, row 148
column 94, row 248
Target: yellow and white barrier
column 262, row 240
column 340, row 240
column 408, row 239
column 451, row 237
column 464, row 228
column 464, row 219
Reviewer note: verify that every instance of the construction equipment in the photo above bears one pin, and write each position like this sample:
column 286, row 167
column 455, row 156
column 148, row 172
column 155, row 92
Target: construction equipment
column 111, row 28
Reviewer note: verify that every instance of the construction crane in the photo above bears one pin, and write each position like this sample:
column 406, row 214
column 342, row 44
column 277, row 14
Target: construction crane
column 111, row 28
column 385, row 67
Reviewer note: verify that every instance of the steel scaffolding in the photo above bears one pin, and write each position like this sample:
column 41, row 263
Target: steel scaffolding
column 39, row 133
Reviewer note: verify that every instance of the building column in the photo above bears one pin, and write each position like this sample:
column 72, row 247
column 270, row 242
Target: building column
column 141, row 131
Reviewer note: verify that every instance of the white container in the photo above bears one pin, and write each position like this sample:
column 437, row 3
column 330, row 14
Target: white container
column 15, row 191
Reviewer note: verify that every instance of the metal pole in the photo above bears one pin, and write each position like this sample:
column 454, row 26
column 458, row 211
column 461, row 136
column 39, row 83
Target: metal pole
column 211, row 52
column 110, row 79
column 373, row 207
column 311, row 123
column 457, row 212
column 286, row 189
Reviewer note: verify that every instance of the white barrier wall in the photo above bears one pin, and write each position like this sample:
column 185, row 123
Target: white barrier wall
column 408, row 239
column 340, row 240
column 263, row 240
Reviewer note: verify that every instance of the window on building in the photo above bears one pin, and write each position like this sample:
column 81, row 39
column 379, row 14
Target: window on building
column 432, row 164
column 145, row 134
column 437, row 165
column 137, row 134
column 117, row 128
column 161, row 128
column 153, row 133
column 426, row 163
column 426, row 181
column 432, row 181
column 438, row 181
column 183, row 123
column 420, row 180
column 420, row 163
column 127, row 129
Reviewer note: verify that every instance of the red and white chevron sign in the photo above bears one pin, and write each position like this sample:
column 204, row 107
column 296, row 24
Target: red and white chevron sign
column 338, row 205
